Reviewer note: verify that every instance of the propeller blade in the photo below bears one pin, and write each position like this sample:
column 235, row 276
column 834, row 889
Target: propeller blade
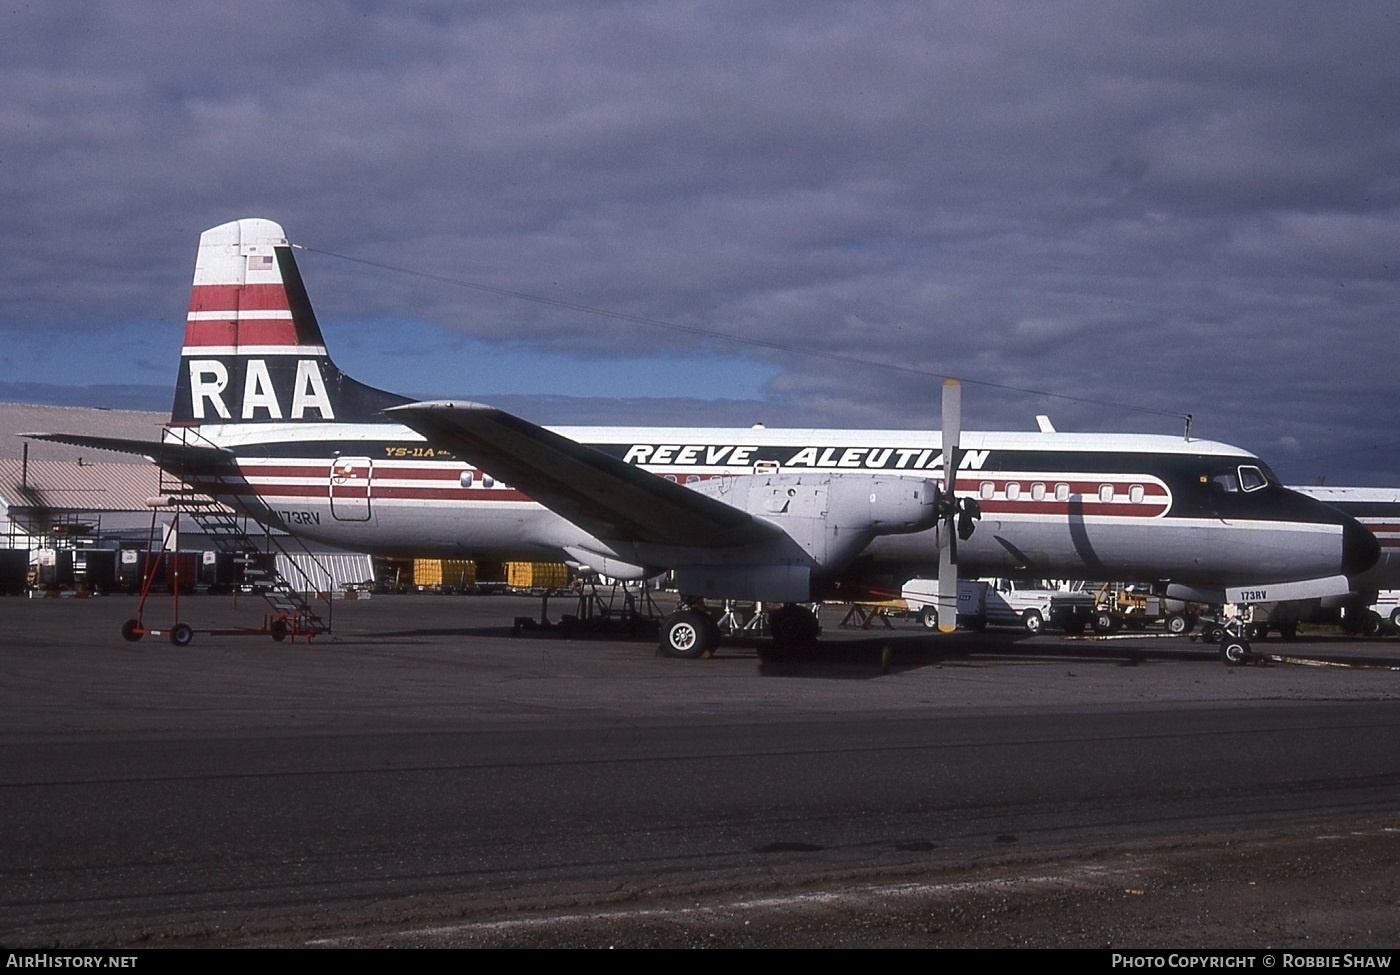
column 952, row 428
column 969, row 513
column 948, row 552
column 948, row 584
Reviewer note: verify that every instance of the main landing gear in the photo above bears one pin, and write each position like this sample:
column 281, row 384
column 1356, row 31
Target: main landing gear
column 793, row 627
column 691, row 633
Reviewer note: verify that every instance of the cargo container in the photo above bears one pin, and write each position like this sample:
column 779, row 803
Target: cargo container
column 132, row 568
column 91, row 569
column 537, row 575
column 444, row 575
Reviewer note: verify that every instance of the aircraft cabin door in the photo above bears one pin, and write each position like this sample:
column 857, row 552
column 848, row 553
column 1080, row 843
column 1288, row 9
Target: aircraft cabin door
column 350, row 488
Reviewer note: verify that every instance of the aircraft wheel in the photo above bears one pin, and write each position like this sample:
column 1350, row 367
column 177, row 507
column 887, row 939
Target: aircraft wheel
column 683, row 635
column 1213, row 633
column 929, row 617
column 1234, row 652
column 1178, row 623
column 181, row 634
column 1104, row 623
column 131, row 631
column 793, row 627
column 1033, row 622
column 1371, row 623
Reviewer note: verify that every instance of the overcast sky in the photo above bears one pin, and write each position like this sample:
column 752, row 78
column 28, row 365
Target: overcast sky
column 1159, row 208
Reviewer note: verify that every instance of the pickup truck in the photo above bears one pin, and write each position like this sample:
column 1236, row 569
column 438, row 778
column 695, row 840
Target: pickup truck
column 1381, row 617
column 1026, row 603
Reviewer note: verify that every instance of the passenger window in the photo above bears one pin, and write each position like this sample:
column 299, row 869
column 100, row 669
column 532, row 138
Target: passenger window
column 1037, row 491
column 672, row 478
column 986, row 490
column 1105, row 492
column 1062, row 492
column 1013, row 491
column 692, row 479
column 1135, row 494
column 487, row 481
column 467, row 478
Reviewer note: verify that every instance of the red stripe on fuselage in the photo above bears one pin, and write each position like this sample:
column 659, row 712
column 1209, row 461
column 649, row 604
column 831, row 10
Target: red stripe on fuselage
column 462, row 494
column 1149, row 508
column 1050, row 482
column 380, row 469
column 440, row 490
column 443, row 482
column 377, row 492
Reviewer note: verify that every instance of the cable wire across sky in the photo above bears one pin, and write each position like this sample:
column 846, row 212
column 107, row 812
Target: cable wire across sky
column 749, row 341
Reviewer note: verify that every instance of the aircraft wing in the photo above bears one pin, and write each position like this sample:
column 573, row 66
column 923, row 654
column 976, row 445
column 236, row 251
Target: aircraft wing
column 174, row 457
column 610, row 499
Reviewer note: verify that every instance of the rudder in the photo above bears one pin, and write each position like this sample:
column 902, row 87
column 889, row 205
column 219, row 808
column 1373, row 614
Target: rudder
column 253, row 350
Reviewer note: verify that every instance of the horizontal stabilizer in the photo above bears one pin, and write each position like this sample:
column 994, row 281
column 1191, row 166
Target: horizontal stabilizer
column 609, row 498
column 173, row 457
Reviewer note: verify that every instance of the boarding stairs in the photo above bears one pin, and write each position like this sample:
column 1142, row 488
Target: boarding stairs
column 254, row 548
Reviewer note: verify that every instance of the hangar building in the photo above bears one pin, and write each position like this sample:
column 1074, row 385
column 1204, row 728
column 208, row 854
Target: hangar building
column 63, row 507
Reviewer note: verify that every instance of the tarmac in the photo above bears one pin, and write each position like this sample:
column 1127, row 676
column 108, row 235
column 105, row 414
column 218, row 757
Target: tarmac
column 422, row 776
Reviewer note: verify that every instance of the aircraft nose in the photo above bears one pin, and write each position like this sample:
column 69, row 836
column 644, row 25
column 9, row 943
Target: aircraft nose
column 1360, row 550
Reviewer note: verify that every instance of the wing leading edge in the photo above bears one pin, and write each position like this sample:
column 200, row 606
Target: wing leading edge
column 611, row 500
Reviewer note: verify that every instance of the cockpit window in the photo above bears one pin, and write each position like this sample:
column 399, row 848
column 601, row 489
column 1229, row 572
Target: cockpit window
column 1245, row 477
column 1252, row 478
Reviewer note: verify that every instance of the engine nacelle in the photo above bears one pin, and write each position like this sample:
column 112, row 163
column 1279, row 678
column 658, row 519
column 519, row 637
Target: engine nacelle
column 867, row 504
column 824, row 522
column 828, row 519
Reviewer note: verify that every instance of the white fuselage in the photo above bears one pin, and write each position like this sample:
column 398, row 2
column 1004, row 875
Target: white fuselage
column 1135, row 507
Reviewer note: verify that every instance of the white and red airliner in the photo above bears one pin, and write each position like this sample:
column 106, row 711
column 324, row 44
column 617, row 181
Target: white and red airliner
column 264, row 420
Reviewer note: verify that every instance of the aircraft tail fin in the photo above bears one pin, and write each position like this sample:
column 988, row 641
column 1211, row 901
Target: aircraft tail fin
column 253, row 350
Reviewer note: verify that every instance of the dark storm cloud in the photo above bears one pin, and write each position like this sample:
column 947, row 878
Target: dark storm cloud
column 1185, row 208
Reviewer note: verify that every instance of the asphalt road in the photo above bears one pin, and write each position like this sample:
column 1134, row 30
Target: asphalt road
column 425, row 778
